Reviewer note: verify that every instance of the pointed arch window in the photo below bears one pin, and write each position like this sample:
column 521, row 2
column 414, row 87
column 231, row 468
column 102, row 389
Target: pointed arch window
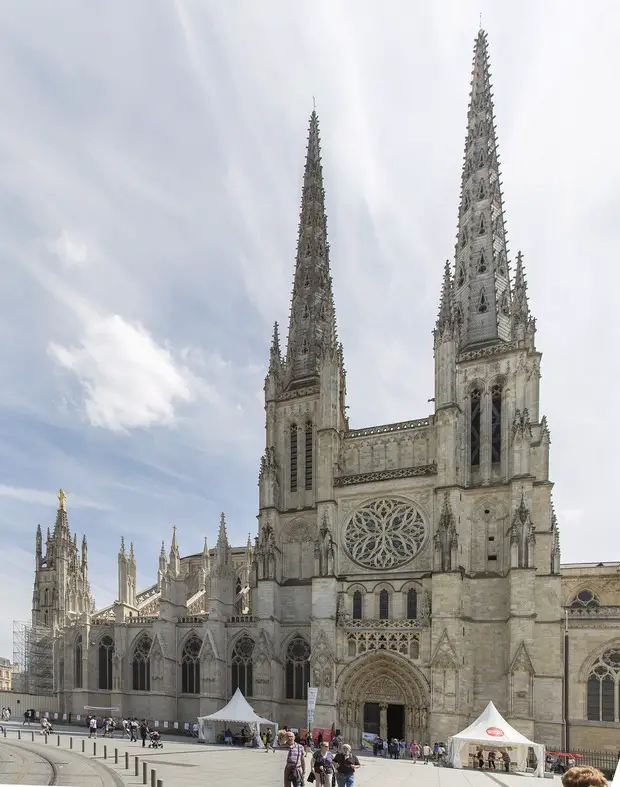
column 585, row 599
column 46, row 597
column 304, row 346
column 384, row 605
column 482, row 226
column 307, row 276
column 463, row 238
column 461, row 276
column 482, row 190
column 466, row 201
column 190, row 665
column 241, row 668
column 482, row 262
column 77, row 663
column 412, row 604
column 293, row 457
column 501, row 264
column 505, row 305
column 481, row 159
column 238, row 596
column 308, row 468
column 483, row 304
column 474, row 428
column 358, row 606
column 297, row 669
column 496, row 423
column 141, row 664
column 306, row 312
column 603, row 687
column 104, row 656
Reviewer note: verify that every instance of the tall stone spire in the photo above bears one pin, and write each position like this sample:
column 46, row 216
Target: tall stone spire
column 445, row 317
column 312, row 327
column 523, row 324
column 482, row 285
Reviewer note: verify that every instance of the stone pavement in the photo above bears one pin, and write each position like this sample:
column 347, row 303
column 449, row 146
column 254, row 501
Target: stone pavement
column 183, row 762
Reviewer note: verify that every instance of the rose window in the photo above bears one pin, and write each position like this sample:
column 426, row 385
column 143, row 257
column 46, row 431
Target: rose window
column 384, row 534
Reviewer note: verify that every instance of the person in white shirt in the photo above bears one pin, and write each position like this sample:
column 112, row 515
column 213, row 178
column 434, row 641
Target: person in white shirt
column 92, row 728
column 426, row 753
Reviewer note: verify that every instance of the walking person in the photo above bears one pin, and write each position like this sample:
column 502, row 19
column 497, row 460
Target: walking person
column 269, row 741
column 133, row 729
column 92, row 727
column 295, row 766
column 346, row 764
column 323, row 766
column 426, row 753
column 144, row 731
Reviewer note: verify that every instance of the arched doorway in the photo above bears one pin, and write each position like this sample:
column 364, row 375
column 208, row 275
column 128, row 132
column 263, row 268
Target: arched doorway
column 383, row 693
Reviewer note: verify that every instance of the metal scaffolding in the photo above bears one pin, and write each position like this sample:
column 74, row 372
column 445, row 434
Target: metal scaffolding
column 33, row 652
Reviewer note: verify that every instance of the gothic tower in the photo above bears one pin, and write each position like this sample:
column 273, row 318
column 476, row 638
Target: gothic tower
column 305, row 421
column 61, row 588
column 493, row 445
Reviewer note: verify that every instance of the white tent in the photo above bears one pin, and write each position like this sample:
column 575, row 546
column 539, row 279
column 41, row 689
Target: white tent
column 238, row 711
column 491, row 731
column 616, row 779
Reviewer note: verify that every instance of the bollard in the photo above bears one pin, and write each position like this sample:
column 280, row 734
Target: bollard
column 136, row 766
column 126, row 760
column 58, row 740
column 145, row 776
column 105, row 752
column 70, row 743
column 83, row 745
column 160, row 783
column 19, row 735
column 46, row 736
column 4, row 731
column 153, row 777
column 32, row 737
column 115, row 756
column 94, row 748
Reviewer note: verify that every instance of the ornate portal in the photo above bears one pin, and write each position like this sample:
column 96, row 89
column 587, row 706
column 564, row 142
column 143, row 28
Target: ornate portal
column 384, row 534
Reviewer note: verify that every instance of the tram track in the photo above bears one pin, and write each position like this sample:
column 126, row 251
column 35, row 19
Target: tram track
column 23, row 765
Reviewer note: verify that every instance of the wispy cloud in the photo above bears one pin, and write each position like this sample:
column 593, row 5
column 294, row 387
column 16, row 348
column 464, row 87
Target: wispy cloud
column 46, row 498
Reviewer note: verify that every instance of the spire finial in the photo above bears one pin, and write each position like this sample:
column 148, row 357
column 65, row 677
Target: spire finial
column 480, row 22
column 62, row 500
column 482, row 284
column 313, row 104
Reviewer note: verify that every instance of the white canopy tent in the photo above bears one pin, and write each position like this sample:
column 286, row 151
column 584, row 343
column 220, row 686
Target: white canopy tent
column 491, row 731
column 238, row 711
column 616, row 779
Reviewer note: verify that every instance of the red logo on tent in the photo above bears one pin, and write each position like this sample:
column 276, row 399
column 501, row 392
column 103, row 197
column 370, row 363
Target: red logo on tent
column 495, row 732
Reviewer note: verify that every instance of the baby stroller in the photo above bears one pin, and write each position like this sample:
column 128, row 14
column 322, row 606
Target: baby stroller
column 156, row 742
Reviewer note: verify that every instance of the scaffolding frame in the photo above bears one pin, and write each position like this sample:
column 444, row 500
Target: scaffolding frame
column 33, row 652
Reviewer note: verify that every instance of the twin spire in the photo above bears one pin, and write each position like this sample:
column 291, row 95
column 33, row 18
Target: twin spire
column 312, row 324
column 478, row 302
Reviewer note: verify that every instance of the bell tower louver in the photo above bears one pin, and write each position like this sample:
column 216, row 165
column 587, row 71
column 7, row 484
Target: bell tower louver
column 482, row 298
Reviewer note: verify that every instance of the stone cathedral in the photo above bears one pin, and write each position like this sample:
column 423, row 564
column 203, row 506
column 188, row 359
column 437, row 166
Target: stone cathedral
column 411, row 571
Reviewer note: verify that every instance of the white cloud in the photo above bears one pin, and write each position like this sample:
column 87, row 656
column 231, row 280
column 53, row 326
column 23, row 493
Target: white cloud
column 128, row 380
column 44, row 498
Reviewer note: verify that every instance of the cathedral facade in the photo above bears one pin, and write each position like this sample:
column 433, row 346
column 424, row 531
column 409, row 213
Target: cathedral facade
column 410, row 571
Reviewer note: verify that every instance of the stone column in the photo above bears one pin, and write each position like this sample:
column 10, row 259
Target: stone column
column 383, row 730
column 409, row 726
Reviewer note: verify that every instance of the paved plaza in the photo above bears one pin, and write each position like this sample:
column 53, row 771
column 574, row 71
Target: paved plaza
column 185, row 762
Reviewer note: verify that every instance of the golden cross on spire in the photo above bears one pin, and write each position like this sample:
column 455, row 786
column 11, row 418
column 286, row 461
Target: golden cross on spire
column 62, row 500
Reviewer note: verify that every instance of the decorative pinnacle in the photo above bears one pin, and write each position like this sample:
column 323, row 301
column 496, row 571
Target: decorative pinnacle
column 444, row 318
column 62, row 500
column 122, row 551
column 132, row 556
column 275, row 354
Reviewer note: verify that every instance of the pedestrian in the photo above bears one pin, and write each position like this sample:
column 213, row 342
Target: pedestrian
column 269, row 741
column 295, row 766
column 144, row 731
column 133, row 729
column 323, row 766
column 92, row 727
column 346, row 764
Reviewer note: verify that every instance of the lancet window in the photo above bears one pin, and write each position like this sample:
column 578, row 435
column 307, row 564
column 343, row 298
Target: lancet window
column 384, row 605
column 482, row 227
column 77, row 656
column 141, row 664
column 412, row 604
column 482, row 262
column 105, row 654
column 190, row 666
column 482, row 191
column 297, row 669
column 461, row 276
column 309, row 442
column 483, row 304
column 475, row 400
column 293, row 457
column 242, row 676
column 358, row 605
column 496, row 423
column 603, row 686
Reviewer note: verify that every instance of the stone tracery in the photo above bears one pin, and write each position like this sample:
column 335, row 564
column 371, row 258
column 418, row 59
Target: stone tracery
column 384, row 534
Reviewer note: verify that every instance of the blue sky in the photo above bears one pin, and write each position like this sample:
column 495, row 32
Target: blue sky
column 152, row 157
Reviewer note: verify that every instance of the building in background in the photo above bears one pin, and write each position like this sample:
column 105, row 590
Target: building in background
column 6, row 674
column 410, row 571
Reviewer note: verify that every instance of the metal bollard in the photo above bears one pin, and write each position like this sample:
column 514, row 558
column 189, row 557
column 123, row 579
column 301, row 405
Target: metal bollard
column 71, row 743
column 19, row 735
column 115, row 756
column 46, row 736
column 126, row 760
column 145, row 776
column 4, row 731
column 160, row 783
column 94, row 748
column 136, row 766
column 105, row 752
column 83, row 745
column 153, row 777
column 32, row 736
column 58, row 740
